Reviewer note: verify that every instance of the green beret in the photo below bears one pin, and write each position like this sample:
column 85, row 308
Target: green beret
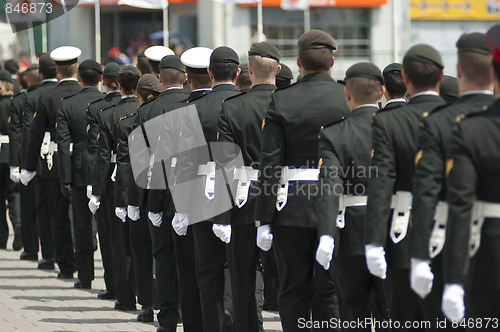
column 90, row 64
column 473, row 42
column 449, row 87
column 224, row 54
column 133, row 69
column 285, row 73
column 111, row 70
column 33, row 66
column 316, row 39
column 266, row 50
column 243, row 67
column 172, row 61
column 365, row 70
column 149, row 82
column 393, row 67
column 424, row 53
column 5, row 76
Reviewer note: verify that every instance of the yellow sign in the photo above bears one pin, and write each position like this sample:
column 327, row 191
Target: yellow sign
column 455, row 9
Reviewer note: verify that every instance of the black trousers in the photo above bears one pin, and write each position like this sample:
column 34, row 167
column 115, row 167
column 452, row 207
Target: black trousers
column 120, row 249
column 82, row 227
column 4, row 188
column 404, row 304
column 242, row 253
column 102, row 221
column 210, row 257
column 270, row 278
column 44, row 225
column 142, row 258
column 166, row 273
column 480, row 305
column 305, row 286
column 188, row 287
column 361, row 295
column 61, row 225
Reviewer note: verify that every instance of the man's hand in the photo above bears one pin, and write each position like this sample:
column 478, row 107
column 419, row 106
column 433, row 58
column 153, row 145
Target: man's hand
column 15, row 174
column 180, row 224
column 89, row 191
column 421, row 277
column 264, row 237
column 324, row 253
column 121, row 213
column 452, row 303
column 375, row 260
column 134, row 213
column 26, row 176
column 156, row 218
column 94, row 204
column 223, row 232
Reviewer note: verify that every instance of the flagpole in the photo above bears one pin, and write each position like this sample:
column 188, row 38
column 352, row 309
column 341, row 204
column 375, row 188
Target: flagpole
column 260, row 25
column 97, row 31
column 31, row 38
column 44, row 37
column 165, row 23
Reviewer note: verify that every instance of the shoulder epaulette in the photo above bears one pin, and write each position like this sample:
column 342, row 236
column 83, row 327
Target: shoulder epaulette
column 334, row 122
column 200, row 96
column 232, row 97
column 94, row 102
column 148, row 102
column 437, row 109
column 67, row 97
column 107, row 108
column 19, row 94
column 128, row 116
column 286, row 87
column 31, row 88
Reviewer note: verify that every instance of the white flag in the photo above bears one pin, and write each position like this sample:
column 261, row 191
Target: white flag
column 294, row 4
column 149, row 4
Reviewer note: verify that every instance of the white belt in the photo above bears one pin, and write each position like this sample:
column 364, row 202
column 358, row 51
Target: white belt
column 113, row 161
column 245, row 175
column 208, row 170
column 48, row 148
column 113, row 157
column 4, row 139
column 438, row 235
column 293, row 174
column 401, row 203
column 480, row 211
column 348, row 201
column 150, row 170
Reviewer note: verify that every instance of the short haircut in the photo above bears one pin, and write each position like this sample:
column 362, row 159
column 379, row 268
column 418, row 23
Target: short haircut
column 33, row 77
column 316, row 60
column 199, row 81
column 263, row 67
column 395, row 84
column 475, row 67
column 128, row 82
column 147, row 94
column 89, row 77
column 364, row 90
column 111, row 83
column 172, row 76
column 68, row 70
column 422, row 75
column 244, row 81
column 225, row 71
column 6, row 88
column 143, row 65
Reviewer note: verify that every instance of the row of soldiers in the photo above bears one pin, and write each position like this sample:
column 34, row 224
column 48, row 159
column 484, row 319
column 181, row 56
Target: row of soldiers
column 349, row 198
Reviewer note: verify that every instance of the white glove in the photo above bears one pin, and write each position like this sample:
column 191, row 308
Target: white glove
column 15, row 174
column 375, row 260
column 421, row 277
column 156, row 218
column 452, row 303
column 133, row 212
column 94, row 204
column 223, row 232
column 26, row 176
column 264, row 237
column 121, row 212
column 89, row 191
column 324, row 253
column 180, row 224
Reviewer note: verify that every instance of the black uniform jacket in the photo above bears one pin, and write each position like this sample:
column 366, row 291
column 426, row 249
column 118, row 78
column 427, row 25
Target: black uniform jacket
column 394, row 136
column 72, row 128
column 44, row 119
column 344, row 152
column 474, row 175
column 290, row 138
column 429, row 185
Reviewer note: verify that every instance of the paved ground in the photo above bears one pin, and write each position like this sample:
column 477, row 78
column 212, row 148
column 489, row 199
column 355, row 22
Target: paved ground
column 34, row 300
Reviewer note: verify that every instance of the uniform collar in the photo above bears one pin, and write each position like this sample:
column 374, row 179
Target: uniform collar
column 70, row 79
column 52, row 80
column 263, row 87
column 128, row 96
column 477, row 92
column 425, row 93
column 396, row 100
column 225, row 86
column 316, row 77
